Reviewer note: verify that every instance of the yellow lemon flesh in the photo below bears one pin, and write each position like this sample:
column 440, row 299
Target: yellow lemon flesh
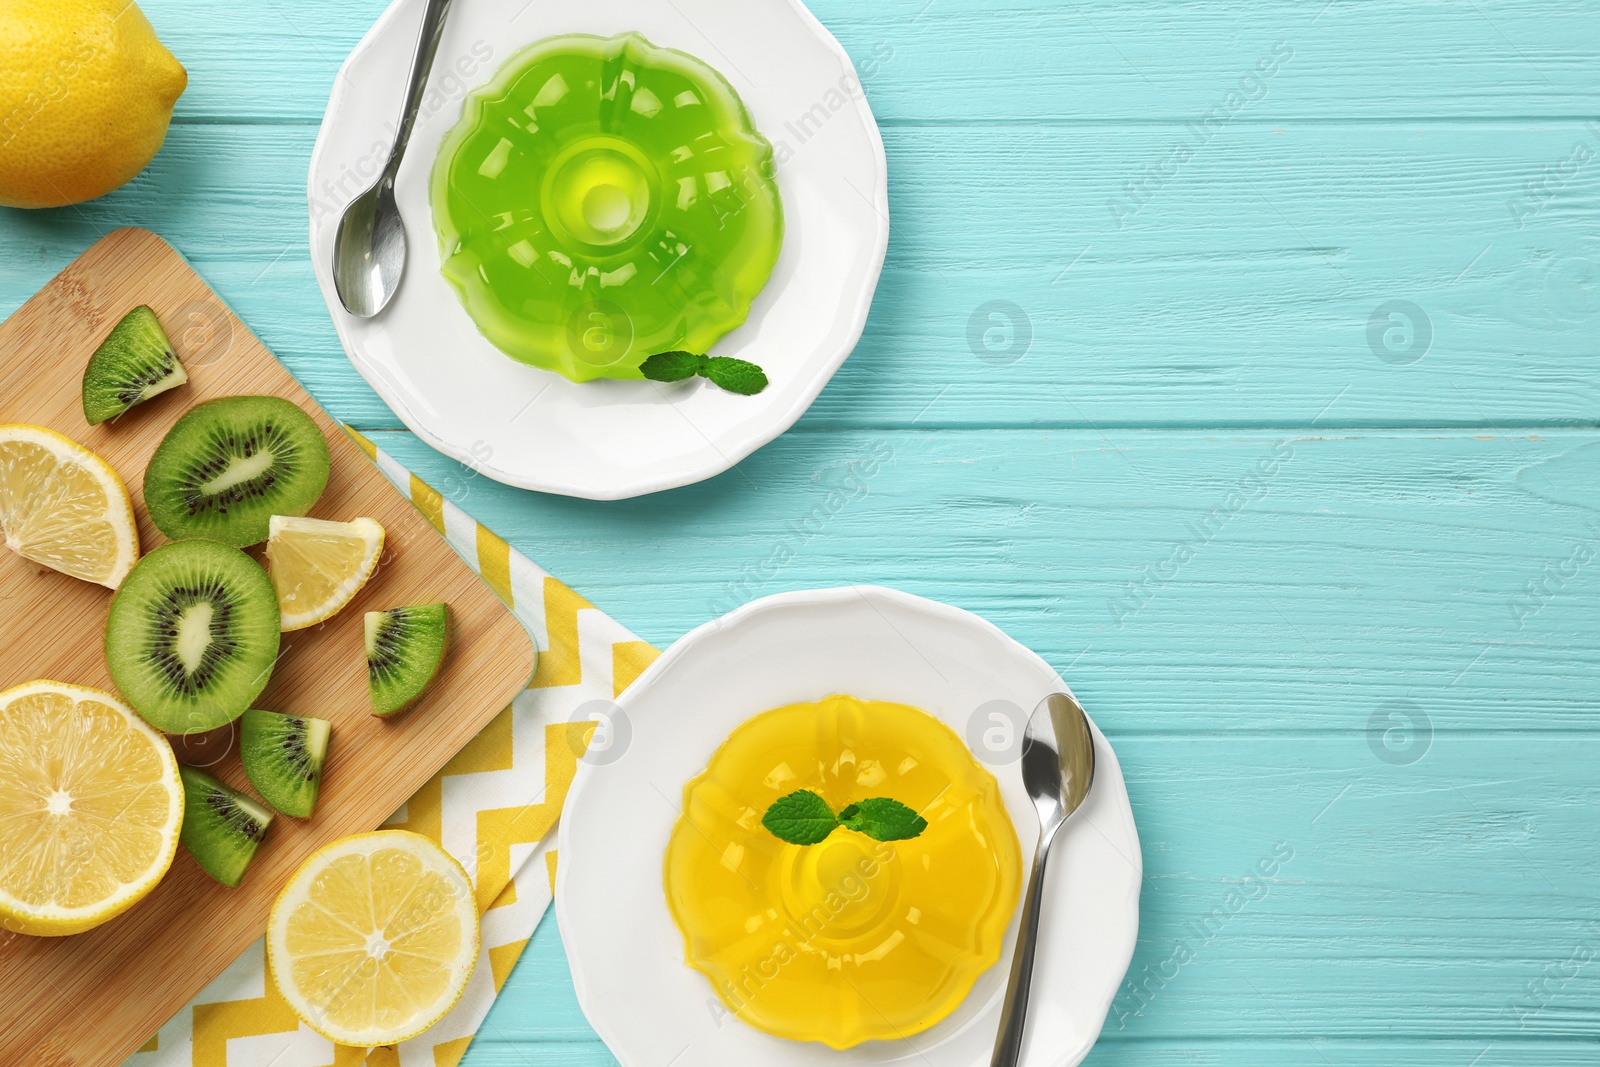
column 852, row 939
column 63, row 507
column 317, row 566
column 86, row 94
column 90, row 808
column 374, row 938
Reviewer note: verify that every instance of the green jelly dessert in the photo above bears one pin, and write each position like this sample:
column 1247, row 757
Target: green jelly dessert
column 603, row 200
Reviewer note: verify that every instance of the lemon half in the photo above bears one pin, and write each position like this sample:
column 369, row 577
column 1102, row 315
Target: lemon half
column 374, row 938
column 90, row 808
column 63, row 507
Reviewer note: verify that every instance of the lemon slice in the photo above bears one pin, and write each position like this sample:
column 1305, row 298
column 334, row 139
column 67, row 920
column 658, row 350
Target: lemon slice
column 374, row 938
column 318, row 566
column 90, row 808
column 62, row 507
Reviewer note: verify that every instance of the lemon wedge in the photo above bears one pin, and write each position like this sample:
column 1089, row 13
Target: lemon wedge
column 373, row 939
column 63, row 507
column 318, row 566
column 91, row 807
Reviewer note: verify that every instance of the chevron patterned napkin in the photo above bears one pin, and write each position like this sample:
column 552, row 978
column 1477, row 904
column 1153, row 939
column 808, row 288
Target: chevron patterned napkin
column 493, row 807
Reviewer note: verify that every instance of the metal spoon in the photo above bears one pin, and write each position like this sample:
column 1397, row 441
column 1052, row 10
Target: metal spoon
column 1057, row 768
column 369, row 250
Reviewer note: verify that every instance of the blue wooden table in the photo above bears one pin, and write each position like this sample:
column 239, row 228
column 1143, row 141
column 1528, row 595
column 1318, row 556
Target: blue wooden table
column 1240, row 358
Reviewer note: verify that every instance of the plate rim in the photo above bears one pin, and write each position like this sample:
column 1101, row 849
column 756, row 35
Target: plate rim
column 722, row 459
column 584, row 775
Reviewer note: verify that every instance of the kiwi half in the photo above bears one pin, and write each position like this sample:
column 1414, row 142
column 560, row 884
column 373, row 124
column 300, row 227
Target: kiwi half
column 404, row 649
column 229, row 465
column 283, row 756
column 192, row 635
column 131, row 365
column 221, row 827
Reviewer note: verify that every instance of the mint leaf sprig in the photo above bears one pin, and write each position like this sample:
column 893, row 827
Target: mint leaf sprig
column 725, row 372
column 804, row 818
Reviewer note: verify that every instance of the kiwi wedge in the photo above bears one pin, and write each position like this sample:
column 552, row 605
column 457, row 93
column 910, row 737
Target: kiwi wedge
column 404, row 649
column 229, row 465
column 192, row 635
column 221, row 827
column 283, row 756
column 131, row 365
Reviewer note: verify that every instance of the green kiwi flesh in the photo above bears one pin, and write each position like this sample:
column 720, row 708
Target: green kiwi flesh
column 283, row 756
column 404, row 649
column 133, row 364
column 192, row 635
column 221, row 828
column 229, row 465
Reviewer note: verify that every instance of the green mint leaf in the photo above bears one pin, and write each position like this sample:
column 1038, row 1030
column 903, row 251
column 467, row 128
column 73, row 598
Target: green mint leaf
column 801, row 818
column 672, row 366
column 883, row 819
column 735, row 375
column 725, row 372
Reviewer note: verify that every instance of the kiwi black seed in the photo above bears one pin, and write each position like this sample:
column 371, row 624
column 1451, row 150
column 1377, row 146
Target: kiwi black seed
column 221, row 827
column 192, row 635
column 133, row 364
column 229, row 465
column 283, row 757
column 404, row 649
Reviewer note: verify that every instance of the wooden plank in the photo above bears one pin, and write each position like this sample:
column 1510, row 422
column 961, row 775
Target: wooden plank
column 1248, row 286
column 1025, row 60
column 1241, row 294
column 93, row 998
column 1269, row 581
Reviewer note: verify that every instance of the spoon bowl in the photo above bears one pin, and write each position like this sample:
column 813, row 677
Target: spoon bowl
column 369, row 251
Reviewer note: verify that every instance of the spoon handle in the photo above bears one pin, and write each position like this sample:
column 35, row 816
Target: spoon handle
column 428, row 36
column 1008, row 1045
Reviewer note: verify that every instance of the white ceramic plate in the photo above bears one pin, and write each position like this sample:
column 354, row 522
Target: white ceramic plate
column 608, row 440
column 626, row 954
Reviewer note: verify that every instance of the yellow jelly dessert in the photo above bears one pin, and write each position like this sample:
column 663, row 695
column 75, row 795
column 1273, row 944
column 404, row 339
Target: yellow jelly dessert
column 851, row 939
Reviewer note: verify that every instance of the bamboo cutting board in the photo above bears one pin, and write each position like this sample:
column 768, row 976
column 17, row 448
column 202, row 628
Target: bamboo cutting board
column 92, row 999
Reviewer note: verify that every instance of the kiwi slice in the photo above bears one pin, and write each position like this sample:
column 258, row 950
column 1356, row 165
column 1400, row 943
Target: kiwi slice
column 192, row 635
column 132, row 365
column 404, row 649
column 283, row 756
column 221, row 827
column 229, row 465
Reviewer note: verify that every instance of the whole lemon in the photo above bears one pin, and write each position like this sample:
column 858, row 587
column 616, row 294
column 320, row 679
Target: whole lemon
column 86, row 93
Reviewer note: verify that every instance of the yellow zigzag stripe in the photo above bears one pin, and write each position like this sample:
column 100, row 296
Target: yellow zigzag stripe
column 502, row 958
column 508, row 895
column 428, row 501
column 561, row 664
column 500, row 828
column 344, row 1056
column 494, row 563
column 361, row 441
column 628, row 661
column 216, row 1024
